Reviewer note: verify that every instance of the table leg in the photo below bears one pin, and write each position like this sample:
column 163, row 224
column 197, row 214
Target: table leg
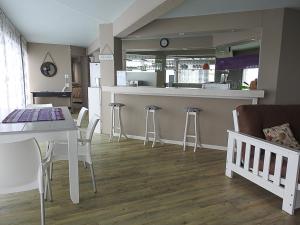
column 71, row 108
column 73, row 166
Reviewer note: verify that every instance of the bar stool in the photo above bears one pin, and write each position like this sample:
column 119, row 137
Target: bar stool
column 192, row 111
column 152, row 109
column 116, row 108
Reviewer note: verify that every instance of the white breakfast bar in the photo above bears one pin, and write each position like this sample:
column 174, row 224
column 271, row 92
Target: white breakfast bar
column 253, row 95
column 215, row 117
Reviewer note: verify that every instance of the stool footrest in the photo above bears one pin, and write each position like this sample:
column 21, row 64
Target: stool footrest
column 191, row 136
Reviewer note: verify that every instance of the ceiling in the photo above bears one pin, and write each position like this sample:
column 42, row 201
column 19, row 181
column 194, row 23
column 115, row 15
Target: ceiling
column 206, row 7
column 75, row 22
column 70, row 22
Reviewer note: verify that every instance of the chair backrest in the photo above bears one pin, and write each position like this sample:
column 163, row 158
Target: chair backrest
column 91, row 127
column 36, row 106
column 82, row 113
column 20, row 167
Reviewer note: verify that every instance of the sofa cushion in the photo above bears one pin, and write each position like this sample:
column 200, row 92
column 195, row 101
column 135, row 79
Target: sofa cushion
column 281, row 135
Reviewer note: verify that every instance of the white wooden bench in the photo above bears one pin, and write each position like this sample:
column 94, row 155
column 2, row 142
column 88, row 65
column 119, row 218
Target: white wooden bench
column 238, row 161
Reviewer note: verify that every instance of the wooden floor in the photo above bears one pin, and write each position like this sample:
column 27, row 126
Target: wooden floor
column 140, row 185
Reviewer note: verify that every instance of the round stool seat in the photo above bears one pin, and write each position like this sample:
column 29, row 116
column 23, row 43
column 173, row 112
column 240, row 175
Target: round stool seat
column 115, row 104
column 193, row 109
column 152, row 107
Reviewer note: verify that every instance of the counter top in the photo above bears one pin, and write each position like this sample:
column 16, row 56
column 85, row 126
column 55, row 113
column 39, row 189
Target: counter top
column 187, row 92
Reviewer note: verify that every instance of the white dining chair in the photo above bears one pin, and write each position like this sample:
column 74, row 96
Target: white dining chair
column 39, row 106
column 83, row 111
column 36, row 106
column 21, row 169
column 59, row 149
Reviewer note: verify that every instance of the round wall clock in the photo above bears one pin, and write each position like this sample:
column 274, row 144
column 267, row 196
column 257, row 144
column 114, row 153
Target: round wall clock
column 164, row 42
column 48, row 69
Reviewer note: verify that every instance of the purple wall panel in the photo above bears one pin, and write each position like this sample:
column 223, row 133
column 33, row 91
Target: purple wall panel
column 237, row 62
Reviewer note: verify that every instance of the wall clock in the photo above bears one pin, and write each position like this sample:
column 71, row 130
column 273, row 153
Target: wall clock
column 48, row 69
column 164, row 42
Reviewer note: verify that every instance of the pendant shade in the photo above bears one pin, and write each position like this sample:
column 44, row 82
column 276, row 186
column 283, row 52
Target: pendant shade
column 205, row 66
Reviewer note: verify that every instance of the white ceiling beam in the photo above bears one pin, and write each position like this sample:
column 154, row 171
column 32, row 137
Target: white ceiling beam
column 140, row 13
column 201, row 25
column 94, row 46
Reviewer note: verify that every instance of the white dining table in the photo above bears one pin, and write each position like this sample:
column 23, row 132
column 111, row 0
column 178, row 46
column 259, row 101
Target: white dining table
column 44, row 131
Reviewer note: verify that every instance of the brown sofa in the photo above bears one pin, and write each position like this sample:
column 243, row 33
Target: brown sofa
column 252, row 119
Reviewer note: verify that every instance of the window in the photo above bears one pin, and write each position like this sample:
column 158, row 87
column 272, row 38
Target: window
column 13, row 64
column 190, row 70
column 249, row 75
column 142, row 63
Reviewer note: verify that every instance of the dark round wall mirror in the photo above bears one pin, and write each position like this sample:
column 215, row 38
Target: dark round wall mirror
column 48, row 69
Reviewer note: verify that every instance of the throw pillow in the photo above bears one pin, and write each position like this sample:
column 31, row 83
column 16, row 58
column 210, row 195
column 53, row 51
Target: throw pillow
column 282, row 135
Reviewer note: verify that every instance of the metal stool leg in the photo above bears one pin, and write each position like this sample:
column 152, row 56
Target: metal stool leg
column 185, row 131
column 121, row 125
column 158, row 130
column 112, row 124
column 196, row 131
column 146, row 132
column 154, row 128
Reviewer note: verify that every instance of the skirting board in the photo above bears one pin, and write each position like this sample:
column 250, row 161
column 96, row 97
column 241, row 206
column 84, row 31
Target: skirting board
column 216, row 147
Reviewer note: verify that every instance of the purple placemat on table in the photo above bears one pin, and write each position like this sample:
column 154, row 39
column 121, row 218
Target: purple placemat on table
column 34, row 115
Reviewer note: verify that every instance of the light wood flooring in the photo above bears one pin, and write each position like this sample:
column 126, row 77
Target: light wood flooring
column 139, row 185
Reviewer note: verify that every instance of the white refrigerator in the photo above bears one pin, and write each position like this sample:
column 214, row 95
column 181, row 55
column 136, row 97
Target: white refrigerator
column 94, row 94
column 95, row 75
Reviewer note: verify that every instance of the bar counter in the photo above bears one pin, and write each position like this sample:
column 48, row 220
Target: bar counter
column 215, row 117
column 253, row 95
